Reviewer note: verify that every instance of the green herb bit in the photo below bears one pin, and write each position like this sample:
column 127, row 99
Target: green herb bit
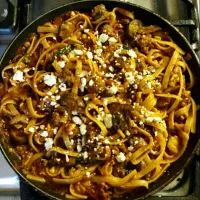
column 126, row 46
column 98, row 15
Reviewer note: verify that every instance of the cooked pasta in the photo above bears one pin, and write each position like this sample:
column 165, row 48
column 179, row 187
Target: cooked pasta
column 97, row 104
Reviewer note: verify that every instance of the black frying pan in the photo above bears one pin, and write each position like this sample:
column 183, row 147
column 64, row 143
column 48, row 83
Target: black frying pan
column 148, row 18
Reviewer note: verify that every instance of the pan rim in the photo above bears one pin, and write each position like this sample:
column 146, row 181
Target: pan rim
column 96, row 2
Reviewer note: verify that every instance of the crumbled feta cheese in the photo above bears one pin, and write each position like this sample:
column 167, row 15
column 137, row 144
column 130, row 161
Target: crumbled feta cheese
column 62, row 87
column 55, row 130
column 66, row 158
column 85, row 155
column 77, row 120
column 124, row 58
column 89, row 55
column 108, row 120
column 83, row 84
column 156, row 133
column 42, row 126
column 120, row 157
column 129, row 77
column 127, row 133
column 44, row 134
column 86, row 30
column 151, row 119
column 136, row 142
column 112, row 40
column 98, row 52
column 83, row 129
column 18, row 76
column 53, row 103
column 113, row 89
column 111, row 69
column 61, row 64
column 74, row 113
column 31, row 129
column 103, row 37
column 79, row 147
column 91, row 82
column 109, row 75
column 130, row 148
column 107, row 141
column 48, row 143
column 117, row 52
column 78, row 52
column 58, row 97
column 88, row 174
column 132, row 53
column 49, row 80
column 140, row 77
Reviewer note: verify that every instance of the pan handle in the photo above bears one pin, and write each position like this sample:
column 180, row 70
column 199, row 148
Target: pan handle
column 9, row 24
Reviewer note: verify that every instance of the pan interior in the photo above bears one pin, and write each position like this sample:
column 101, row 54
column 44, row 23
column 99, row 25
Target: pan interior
column 148, row 18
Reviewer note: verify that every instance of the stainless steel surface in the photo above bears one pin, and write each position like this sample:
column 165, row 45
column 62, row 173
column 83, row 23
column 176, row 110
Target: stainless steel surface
column 170, row 9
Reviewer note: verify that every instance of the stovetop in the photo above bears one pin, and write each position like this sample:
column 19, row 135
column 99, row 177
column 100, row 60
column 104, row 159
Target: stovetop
column 16, row 14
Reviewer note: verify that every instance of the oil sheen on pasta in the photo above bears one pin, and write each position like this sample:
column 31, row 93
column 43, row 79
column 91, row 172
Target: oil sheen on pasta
column 96, row 104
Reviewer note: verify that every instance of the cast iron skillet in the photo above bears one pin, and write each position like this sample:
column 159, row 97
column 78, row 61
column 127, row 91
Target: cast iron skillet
column 148, row 18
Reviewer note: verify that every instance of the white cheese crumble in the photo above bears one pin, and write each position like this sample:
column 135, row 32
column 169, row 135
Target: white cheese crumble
column 83, row 84
column 18, row 76
column 132, row 53
column 129, row 77
column 88, row 174
column 98, row 52
column 31, row 129
column 103, row 38
column 62, row 87
column 151, row 119
column 85, row 155
column 78, row 52
column 107, row 141
column 79, row 147
column 55, row 130
column 44, row 134
column 89, row 55
column 108, row 120
column 127, row 133
column 111, row 69
column 48, row 143
column 83, row 129
column 113, row 89
column 77, row 120
column 74, row 113
column 91, row 82
column 121, row 157
column 66, row 158
column 112, row 40
column 61, row 64
column 49, row 80
column 130, row 148
column 86, row 30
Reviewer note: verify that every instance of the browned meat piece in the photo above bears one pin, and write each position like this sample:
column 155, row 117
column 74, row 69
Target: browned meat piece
column 68, row 76
column 108, row 29
column 67, row 29
column 55, row 120
column 98, row 11
column 133, row 27
column 144, row 43
column 120, row 115
column 72, row 102
column 163, row 103
column 136, row 26
column 98, row 86
column 119, row 170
